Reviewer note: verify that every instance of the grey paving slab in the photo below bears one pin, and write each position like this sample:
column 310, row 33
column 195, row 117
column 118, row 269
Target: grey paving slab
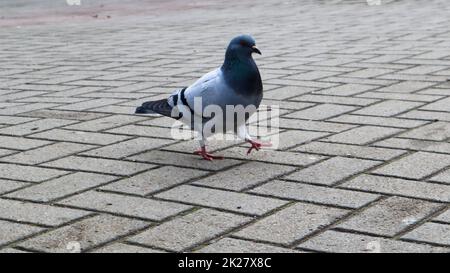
column 390, row 216
column 10, row 232
column 334, row 241
column 125, row 205
column 416, row 166
column 285, row 226
column 189, row 230
column 432, row 233
column 232, row 201
column 37, row 213
column 231, row 245
column 316, row 194
column 332, row 171
column 84, row 234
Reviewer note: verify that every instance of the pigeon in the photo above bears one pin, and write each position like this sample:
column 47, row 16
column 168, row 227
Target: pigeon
column 236, row 83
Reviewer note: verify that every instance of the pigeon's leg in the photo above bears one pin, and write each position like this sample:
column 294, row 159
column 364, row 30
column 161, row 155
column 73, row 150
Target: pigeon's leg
column 243, row 134
column 203, row 153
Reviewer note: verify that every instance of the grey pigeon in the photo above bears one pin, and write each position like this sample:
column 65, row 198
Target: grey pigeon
column 236, row 83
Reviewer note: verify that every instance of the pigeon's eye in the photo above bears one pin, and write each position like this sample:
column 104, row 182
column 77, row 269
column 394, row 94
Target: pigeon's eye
column 243, row 43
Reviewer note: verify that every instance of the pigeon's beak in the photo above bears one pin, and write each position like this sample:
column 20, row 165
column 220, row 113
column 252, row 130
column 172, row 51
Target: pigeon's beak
column 256, row 50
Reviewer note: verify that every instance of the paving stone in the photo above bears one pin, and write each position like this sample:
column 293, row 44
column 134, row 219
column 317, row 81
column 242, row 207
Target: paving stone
column 291, row 138
column 85, row 105
column 316, row 194
column 226, row 200
column 346, row 89
column 444, row 217
column 80, row 137
column 390, row 216
column 27, row 173
column 125, row 205
column 431, row 233
column 407, row 87
column 291, row 224
column 363, row 135
column 154, row 180
column 183, row 160
column 86, row 234
column 273, row 156
column 46, row 153
column 287, row 92
column 349, row 150
column 125, row 248
column 92, row 164
column 378, row 121
column 189, row 230
column 400, row 96
column 20, row 143
column 105, row 123
column 332, row 170
column 396, row 186
column 60, row 187
column 9, row 185
column 37, row 213
column 335, row 242
column 145, row 131
column 128, row 147
column 320, row 112
column 335, row 100
column 244, row 176
column 10, row 232
column 231, row 245
column 436, row 131
column 416, row 166
column 441, row 105
column 415, row 145
column 321, row 126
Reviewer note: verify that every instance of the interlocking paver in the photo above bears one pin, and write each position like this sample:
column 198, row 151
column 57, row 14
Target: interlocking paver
column 37, row 213
column 10, row 232
column 233, row 201
column 291, row 224
column 431, row 232
column 334, row 241
column 99, row 165
column 363, row 135
column 317, row 194
column 349, row 150
column 416, row 166
column 47, row 153
column 154, row 180
column 332, row 170
column 125, row 205
column 189, row 230
column 86, row 234
column 390, row 216
column 231, row 245
column 364, row 129
column 253, row 173
column 60, row 187
column 397, row 186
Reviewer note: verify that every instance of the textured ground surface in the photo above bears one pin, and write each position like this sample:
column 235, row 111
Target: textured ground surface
column 364, row 158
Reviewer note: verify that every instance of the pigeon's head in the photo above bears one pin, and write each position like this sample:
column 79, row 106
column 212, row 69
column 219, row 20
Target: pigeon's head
column 243, row 46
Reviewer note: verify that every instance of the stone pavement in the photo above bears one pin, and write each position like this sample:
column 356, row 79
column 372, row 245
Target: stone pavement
column 364, row 160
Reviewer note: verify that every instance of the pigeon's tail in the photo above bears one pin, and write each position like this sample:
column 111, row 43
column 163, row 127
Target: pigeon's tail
column 157, row 106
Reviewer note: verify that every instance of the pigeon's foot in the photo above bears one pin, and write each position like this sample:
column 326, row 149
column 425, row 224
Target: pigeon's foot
column 202, row 152
column 257, row 145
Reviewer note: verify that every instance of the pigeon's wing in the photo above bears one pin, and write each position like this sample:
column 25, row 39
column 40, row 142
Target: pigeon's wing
column 209, row 88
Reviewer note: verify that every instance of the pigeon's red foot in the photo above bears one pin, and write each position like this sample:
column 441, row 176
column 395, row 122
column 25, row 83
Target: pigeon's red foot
column 257, row 145
column 203, row 153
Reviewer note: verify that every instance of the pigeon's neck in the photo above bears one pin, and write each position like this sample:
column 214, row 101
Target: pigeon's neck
column 242, row 74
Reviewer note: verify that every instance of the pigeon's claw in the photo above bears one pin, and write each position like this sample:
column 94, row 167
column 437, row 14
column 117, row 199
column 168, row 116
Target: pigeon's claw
column 207, row 156
column 257, row 145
